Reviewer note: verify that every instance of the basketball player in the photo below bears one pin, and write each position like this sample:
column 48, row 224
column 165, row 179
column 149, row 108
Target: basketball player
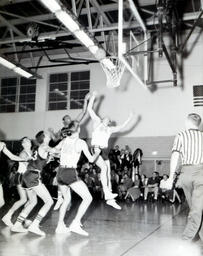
column 24, row 195
column 31, row 179
column 67, row 120
column 100, row 137
column 4, row 149
column 71, row 148
column 58, row 136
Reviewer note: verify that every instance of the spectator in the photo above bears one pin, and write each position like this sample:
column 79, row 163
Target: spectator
column 97, row 189
column 143, row 184
column 127, row 159
column 116, row 155
column 126, row 183
column 114, row 180
column 89, row 182
column 137, row 160
column 152, row 186
column 134, row 192
column 165, row 188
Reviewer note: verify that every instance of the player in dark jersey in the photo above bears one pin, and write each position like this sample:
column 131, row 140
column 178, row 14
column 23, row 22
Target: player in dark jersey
column 24, row 195
column 10, row 155
column 31, row 179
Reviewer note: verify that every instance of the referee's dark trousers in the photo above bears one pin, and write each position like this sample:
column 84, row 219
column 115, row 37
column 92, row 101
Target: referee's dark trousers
column 191, row 180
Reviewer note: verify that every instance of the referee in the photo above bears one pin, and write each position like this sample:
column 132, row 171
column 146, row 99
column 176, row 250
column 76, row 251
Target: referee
column 189, row 146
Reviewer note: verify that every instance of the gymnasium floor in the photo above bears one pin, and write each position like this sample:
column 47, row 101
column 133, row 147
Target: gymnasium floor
column 139, row 229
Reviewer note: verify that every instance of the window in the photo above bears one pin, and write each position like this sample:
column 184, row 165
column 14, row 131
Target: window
column 17, row 95
column 8, row 95
column 68, row 90
column 27, row 95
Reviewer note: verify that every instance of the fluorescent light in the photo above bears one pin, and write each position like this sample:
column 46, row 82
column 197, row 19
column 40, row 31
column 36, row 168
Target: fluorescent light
column 93, row 49
column 67, row 20
column 52, row 5
column 84, row 38
column 15, row 68
column 22, row 72
column 6, row 63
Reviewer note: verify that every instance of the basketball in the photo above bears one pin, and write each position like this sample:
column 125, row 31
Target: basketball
column 100, row 54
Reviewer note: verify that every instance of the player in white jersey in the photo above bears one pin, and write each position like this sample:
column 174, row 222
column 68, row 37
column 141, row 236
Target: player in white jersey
column 100, row 137
column 71, row 148
column 24, row 195
column 4, row 149
column 56, row 137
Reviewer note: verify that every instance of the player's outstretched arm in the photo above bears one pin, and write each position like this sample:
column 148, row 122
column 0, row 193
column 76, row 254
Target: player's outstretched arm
column 9, row 154
column 120, row 127
column 90, row 110
column 80, row 117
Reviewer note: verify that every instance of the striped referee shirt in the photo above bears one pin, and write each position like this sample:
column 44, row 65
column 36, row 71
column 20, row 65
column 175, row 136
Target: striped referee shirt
column 189, row 144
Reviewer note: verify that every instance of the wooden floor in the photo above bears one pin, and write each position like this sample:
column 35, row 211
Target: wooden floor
column 139, row 229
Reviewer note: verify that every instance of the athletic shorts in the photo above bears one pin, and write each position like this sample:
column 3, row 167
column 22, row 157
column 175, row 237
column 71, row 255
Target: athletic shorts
column 66, row 176
column 104, row 152
column 31, row 178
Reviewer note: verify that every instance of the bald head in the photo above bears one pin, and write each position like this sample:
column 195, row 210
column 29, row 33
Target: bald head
column 194, row 119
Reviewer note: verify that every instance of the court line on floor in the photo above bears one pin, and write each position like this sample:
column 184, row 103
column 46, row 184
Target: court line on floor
column 151, row 233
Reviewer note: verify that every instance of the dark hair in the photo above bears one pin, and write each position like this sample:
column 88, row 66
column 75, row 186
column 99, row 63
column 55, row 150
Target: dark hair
column 65, row 117
column 21, row 140
column 40, row 137
column 68, row 131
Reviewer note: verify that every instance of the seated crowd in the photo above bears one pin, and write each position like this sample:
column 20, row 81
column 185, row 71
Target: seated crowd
column 127, row 181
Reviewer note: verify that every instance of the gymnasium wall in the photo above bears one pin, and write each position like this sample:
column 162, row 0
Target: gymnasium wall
column 162, row 113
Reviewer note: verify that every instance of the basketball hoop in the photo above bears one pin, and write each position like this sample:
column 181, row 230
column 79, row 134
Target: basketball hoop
column 113, row 68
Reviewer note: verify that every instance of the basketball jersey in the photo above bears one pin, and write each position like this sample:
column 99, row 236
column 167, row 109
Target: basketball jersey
column 38, row 162
column 23, row 165
column 100, row 136
column 69, row 154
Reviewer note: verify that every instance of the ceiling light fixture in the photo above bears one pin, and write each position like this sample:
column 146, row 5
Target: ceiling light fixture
column 72, row 24
column 16, row 68
column 52, row 5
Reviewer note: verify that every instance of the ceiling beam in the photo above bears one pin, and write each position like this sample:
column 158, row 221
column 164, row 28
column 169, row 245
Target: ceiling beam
column 114, row 26
column 8, row 24
column 101, row 12
column 8, row 2
column 84, row 11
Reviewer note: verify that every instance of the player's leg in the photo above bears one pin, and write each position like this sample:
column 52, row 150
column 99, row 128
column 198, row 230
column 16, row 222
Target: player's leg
column 80, row 188
column 29, row 206
column 59, row 200
column 104, row 178
column 65, row 191
column 110, row 201
column 59, row 194
column 44, row 194
column 23, row 199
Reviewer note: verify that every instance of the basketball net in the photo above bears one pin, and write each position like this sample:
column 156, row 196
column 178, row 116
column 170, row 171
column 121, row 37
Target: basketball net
column 113, row 68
